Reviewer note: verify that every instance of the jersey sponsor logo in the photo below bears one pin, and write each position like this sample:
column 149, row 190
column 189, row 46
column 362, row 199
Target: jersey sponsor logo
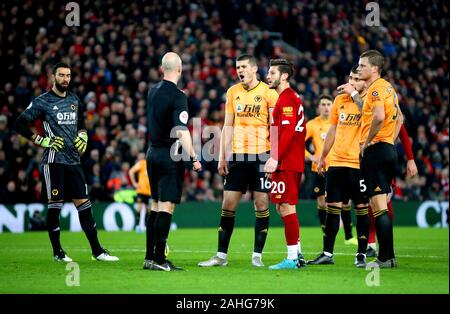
column 288, row 111
column 66, row 117
column 350, row 119
column 248, row 110
column 184, row 117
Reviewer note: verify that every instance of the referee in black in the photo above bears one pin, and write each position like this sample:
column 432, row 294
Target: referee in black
column 65, row 139
column 167, row 119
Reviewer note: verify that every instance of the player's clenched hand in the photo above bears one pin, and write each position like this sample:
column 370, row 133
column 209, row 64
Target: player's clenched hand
column 321, row 167
column 346, row 89
column 196, row 166
column 81, row 142
column 223, row 167
column 56, row 143
column 411, row 168
column 271, row 165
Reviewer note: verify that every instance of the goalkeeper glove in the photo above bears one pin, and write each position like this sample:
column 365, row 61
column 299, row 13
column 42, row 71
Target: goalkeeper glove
column 56, row 143
column 81, row 142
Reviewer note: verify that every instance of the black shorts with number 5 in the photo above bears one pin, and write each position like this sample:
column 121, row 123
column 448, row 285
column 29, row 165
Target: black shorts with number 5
column 245, row 171
column 378, row 168
column 344, row 184
column 63, row 182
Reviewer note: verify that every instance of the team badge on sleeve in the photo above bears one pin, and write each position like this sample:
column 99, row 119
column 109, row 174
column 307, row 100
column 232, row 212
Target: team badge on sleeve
column 184, row 116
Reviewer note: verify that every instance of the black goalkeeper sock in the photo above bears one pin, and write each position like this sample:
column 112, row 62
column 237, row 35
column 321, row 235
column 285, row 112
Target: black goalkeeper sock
column 162, row 228
column 150, row 235
column 225, row 230
column 261, row 229
column 322, row 211
column 331, row 228
column 362, row 228
column 54, row 209
column 89, row 227
column 347, row 222
column 383, row 225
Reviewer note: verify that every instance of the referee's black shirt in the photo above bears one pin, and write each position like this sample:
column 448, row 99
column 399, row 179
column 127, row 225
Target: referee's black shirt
column 166, row 113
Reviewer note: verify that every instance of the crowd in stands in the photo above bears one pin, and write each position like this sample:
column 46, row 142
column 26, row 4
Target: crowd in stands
column 116, row 51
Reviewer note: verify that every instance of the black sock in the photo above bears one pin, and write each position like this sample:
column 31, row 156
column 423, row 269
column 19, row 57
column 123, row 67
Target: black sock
column 331, row 228
column 383, row 225
column 150, row 235
column 347, row 222
column 362, row 228
column 54, row 209
column 322, row 210
column 89, row 227
column 261, row 229
column 162, row 228
column 225, row 230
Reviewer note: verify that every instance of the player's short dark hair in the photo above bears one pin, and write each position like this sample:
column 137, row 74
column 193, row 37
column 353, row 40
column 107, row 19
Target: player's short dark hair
column 60, row 65
column 284, row 66
column 251, row 59
column 325, row 96
column 354, row 69
column 375, row 58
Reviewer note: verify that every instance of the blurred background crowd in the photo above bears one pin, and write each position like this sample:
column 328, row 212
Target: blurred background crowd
column 116, row 51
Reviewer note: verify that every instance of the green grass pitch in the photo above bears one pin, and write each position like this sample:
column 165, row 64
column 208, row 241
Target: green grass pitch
column 27, row 265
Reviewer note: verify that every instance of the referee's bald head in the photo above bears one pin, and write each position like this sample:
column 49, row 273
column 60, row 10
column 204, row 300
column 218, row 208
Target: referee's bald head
column 171, row 62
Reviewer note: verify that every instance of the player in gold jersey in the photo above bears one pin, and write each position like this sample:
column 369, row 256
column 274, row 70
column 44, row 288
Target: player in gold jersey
column 381, row 123
column 343, row 178
column 142, row 186
column 244, row 147
column 316, row 130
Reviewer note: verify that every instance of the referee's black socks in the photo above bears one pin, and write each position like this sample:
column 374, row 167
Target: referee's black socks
column 150, row 235
column 383, row 225
column 331, row 228
column 225, row 230
column 162, row 228
column 362, row 228
column 261, row 229
column 54, row 209
column 89, row 227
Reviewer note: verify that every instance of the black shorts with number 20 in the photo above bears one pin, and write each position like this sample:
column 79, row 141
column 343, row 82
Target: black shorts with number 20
column 245, row 171
column 63, row 182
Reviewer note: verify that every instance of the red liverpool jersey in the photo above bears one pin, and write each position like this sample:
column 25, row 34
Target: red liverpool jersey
column 289, row 124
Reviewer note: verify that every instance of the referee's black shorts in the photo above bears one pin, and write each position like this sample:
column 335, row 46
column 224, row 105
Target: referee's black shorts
column 246, row 171
column 166, row 176
column 318, row 184
column 344, row 184
column 63, row 182
column 378, row 168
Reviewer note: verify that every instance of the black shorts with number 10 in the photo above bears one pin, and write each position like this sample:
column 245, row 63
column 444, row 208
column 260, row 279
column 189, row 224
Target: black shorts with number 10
column 344, row 184
column 245, row 171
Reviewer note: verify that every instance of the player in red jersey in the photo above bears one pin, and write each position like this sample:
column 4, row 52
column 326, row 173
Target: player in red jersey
column 411, row 171
column 286, row 164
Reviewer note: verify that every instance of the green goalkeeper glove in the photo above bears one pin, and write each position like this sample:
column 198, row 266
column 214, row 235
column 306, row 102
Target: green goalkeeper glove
column 81, row 142
column 56, row 143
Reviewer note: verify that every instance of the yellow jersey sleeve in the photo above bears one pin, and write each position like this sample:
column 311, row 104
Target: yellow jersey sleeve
column 229, row 108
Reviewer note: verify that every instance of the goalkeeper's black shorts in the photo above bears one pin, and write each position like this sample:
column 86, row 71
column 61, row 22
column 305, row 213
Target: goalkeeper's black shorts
column 63, row 182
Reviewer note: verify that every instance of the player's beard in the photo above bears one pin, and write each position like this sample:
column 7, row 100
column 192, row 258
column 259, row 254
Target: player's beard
column 61, row 88
column 275, row 84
